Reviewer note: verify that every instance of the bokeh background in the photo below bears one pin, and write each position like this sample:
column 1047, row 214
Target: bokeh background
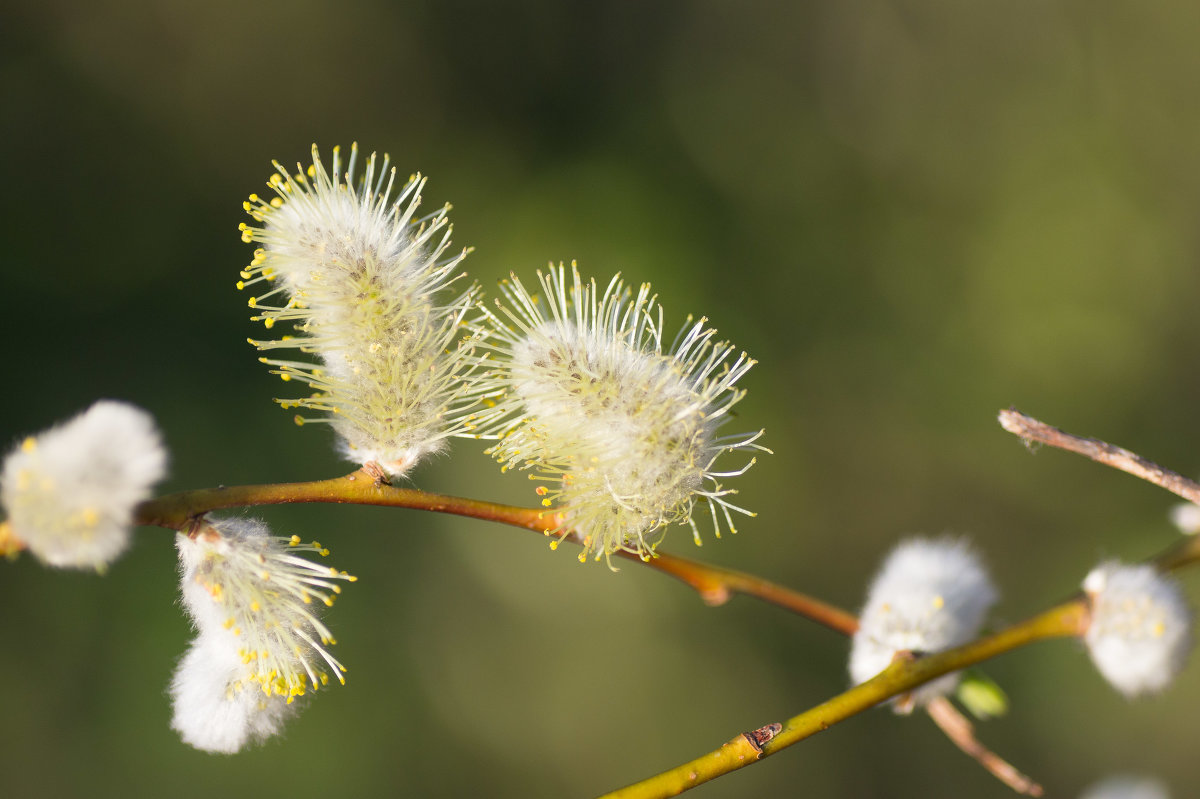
column 911, row 212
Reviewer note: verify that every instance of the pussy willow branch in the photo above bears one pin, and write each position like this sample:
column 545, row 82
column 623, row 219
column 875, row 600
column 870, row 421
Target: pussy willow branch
column 714, row 584
column 903, row 675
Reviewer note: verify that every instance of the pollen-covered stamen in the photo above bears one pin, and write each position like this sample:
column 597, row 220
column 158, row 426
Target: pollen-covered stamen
column 626, row 429
column 240, row 580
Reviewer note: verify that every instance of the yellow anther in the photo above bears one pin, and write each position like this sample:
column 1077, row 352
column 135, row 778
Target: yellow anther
column 240, row 285
column 252, row 302
column 939, row 602
column 269, row 322
column 29, row 444
column 294, row 540
column 285, row 377
column 547, row 503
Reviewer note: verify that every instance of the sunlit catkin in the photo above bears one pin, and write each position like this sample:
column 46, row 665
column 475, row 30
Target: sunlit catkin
column 620, row 431
column 253, row 591
column 364, row 281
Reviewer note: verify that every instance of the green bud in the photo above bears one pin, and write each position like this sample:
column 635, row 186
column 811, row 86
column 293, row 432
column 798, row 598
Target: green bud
column 980, row 695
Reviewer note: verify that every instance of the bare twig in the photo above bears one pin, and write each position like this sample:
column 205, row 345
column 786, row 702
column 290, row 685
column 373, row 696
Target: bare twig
column 1031, row 429
column 961, row 733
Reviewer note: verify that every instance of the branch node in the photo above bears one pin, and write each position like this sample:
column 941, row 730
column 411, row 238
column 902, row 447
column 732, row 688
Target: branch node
column 757, row 738
column 715, row 597
column 376, row 473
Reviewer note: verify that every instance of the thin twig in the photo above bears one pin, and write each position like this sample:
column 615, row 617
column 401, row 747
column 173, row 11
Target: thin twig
column 716, row 585
column 961, row 733
column 1185, row 553
column 1069, row 619
column 1031, row 429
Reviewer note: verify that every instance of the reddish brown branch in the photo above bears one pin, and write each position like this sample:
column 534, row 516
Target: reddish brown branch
column 961, row 733
column 1031, row 429
column 714, row 584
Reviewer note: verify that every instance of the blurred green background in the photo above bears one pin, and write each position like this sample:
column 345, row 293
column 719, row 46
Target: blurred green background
column 912, row 213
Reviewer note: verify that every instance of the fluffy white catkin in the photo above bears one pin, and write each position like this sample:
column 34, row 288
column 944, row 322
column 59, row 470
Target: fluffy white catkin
column 929, row 595
column 364, row 282
column 214, row 707
column 70, row 492
column 259, row 643
column 620, row 431
column 251, row 590
column 1140, row 631
column 1186, row 517
column 1124, row 786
